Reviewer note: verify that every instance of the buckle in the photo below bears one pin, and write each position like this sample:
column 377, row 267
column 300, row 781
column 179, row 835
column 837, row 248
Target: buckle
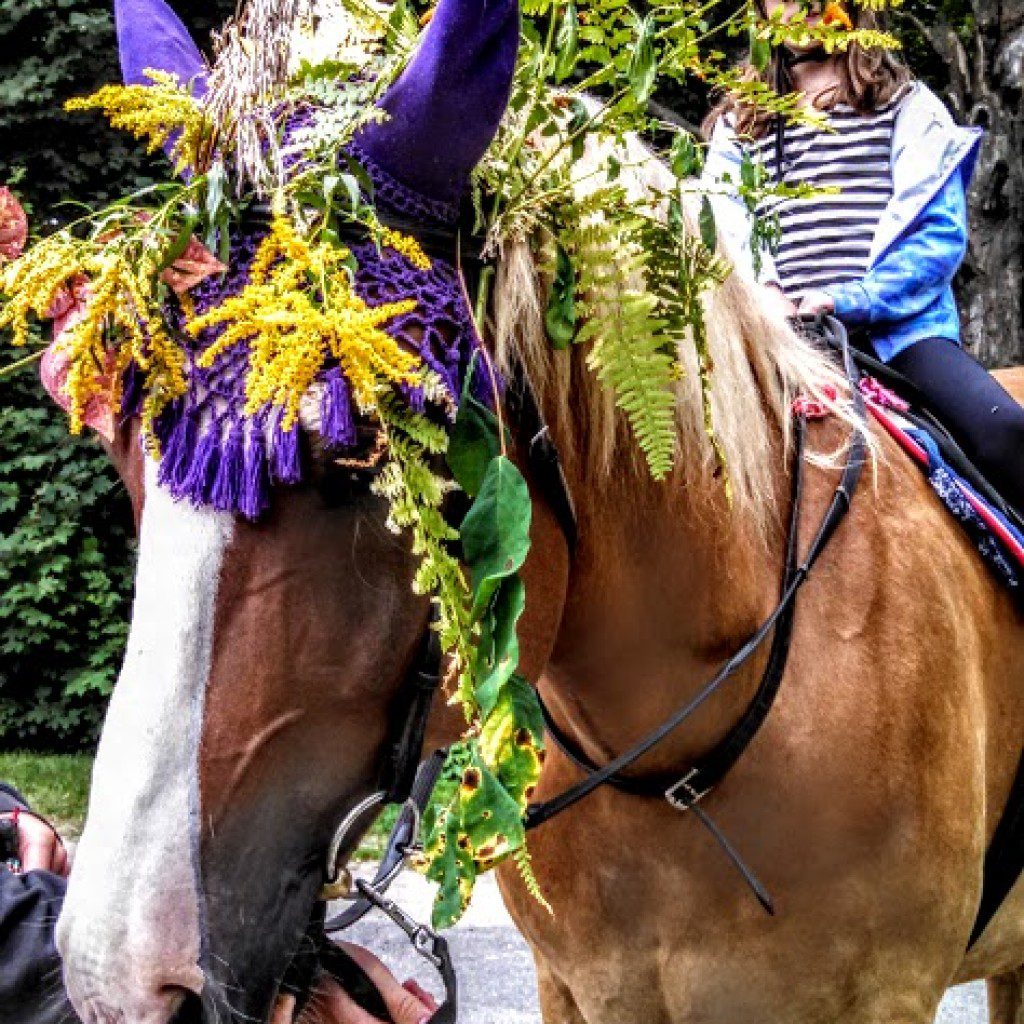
column 691, row 795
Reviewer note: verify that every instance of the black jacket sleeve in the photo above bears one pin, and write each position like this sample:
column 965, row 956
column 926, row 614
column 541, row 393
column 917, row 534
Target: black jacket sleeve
column 31, row 979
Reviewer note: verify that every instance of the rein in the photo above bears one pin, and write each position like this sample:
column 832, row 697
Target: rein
column 684, row 791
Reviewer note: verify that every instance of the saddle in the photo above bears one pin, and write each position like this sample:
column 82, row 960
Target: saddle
column 993, row 525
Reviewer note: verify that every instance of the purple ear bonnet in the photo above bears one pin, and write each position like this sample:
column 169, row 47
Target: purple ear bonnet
column 150, row 35
column 446, row 107
column 444, row 112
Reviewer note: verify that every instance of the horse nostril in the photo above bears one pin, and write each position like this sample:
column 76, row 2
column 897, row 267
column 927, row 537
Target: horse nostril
column 191, row 1009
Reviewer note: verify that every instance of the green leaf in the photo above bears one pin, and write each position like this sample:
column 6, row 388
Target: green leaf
column 180, row 243
column 496, row 532
column 474, row 443
column 513, row 736
column 748, row 172
column 567, row 43
column 760, row 50
column 708, row 230
column 402, row 20
column 454, row 871
column 577, row 127
column 489, row 813
column 500, row 643
column 560, row 318
column 643, row 66
column 215, row 182
column 684, row 156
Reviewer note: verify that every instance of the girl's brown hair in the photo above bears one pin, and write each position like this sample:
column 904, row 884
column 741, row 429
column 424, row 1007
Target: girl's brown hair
column 868, row 79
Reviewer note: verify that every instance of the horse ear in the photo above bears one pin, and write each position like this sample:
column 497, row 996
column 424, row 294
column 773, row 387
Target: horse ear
column 446, row 106
column 151, row 35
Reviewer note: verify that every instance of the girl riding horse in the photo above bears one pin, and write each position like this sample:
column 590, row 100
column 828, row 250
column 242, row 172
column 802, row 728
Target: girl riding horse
column 882, row 250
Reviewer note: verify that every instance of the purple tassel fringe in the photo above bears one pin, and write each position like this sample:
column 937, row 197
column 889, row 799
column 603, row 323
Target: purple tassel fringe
column 255, row 494
column 286, row 458
column 228, row 484
column 336, row 422
column 197, row 478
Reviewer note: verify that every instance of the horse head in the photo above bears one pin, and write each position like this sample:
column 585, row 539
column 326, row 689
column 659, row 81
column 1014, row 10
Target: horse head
column 266, row 657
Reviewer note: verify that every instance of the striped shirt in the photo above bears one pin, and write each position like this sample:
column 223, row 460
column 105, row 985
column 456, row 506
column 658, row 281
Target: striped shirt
column 826, row 239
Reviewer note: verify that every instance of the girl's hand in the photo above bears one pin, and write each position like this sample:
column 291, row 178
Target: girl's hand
column 815, row 303
column 39, row 846
column 777, row 301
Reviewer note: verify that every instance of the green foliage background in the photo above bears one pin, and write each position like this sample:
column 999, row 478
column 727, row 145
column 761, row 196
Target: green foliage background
column 65, row 522
column 65, row 529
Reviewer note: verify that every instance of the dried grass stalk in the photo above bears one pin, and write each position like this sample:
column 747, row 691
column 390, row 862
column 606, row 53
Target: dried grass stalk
column 249, row 77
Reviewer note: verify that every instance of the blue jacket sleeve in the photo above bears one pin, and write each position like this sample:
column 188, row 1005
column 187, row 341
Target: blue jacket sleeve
column 916, row 269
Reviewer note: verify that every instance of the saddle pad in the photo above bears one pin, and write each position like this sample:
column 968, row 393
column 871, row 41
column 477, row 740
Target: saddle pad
column 998, row 542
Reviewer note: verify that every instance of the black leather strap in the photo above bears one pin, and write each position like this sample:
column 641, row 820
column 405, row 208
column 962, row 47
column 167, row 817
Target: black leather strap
column 404, row 835
column 685, row 789
column 406, row 747
column 684, row 793
column 542, row 454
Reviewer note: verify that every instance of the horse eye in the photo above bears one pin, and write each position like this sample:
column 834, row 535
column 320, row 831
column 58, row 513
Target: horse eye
column 346, row 473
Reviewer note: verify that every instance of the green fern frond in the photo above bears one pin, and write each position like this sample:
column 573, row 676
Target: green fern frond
column 524, row 864
column 622, row 323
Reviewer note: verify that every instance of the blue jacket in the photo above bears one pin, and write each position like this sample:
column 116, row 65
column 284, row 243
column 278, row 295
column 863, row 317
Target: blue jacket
column 906, row 294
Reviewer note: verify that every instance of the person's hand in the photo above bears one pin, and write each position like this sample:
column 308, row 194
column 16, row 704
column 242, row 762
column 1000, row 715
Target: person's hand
column 407, row 1003
column 778, row 302
column 39, row 846
column 815, row 303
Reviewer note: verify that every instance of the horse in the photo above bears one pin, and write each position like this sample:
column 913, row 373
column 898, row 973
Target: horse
column 265, row 661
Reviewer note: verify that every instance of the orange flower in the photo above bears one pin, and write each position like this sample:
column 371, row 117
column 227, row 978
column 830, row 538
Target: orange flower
column 836, row 14
column 13, row 226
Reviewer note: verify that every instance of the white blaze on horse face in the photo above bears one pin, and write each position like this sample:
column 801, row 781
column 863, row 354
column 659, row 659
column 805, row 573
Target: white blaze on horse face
column 131, row 925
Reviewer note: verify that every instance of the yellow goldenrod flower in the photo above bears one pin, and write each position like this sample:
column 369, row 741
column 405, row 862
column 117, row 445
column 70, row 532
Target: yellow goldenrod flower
column 120, row 321
column 154, row 113
column 298, row 311
column 406, row 246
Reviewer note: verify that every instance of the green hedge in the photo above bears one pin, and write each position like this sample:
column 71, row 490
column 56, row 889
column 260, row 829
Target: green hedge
column 65, row 572
column 65, row 527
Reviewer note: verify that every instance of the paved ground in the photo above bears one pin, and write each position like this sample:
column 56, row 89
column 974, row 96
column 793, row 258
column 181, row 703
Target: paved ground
column 495, row 968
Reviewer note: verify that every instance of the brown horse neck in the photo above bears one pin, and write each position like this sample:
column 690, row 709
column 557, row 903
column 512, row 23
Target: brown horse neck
column 665, row 586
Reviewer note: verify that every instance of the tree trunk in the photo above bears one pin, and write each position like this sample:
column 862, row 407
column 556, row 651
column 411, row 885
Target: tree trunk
column 986, row 81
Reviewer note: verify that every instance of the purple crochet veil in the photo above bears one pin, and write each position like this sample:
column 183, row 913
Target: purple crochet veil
column 213, row 454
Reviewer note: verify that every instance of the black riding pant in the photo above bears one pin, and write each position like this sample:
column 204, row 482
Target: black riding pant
column 984, row 419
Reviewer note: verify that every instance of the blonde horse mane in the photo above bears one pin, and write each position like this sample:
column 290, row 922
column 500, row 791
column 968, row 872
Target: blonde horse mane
column 760, row 365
